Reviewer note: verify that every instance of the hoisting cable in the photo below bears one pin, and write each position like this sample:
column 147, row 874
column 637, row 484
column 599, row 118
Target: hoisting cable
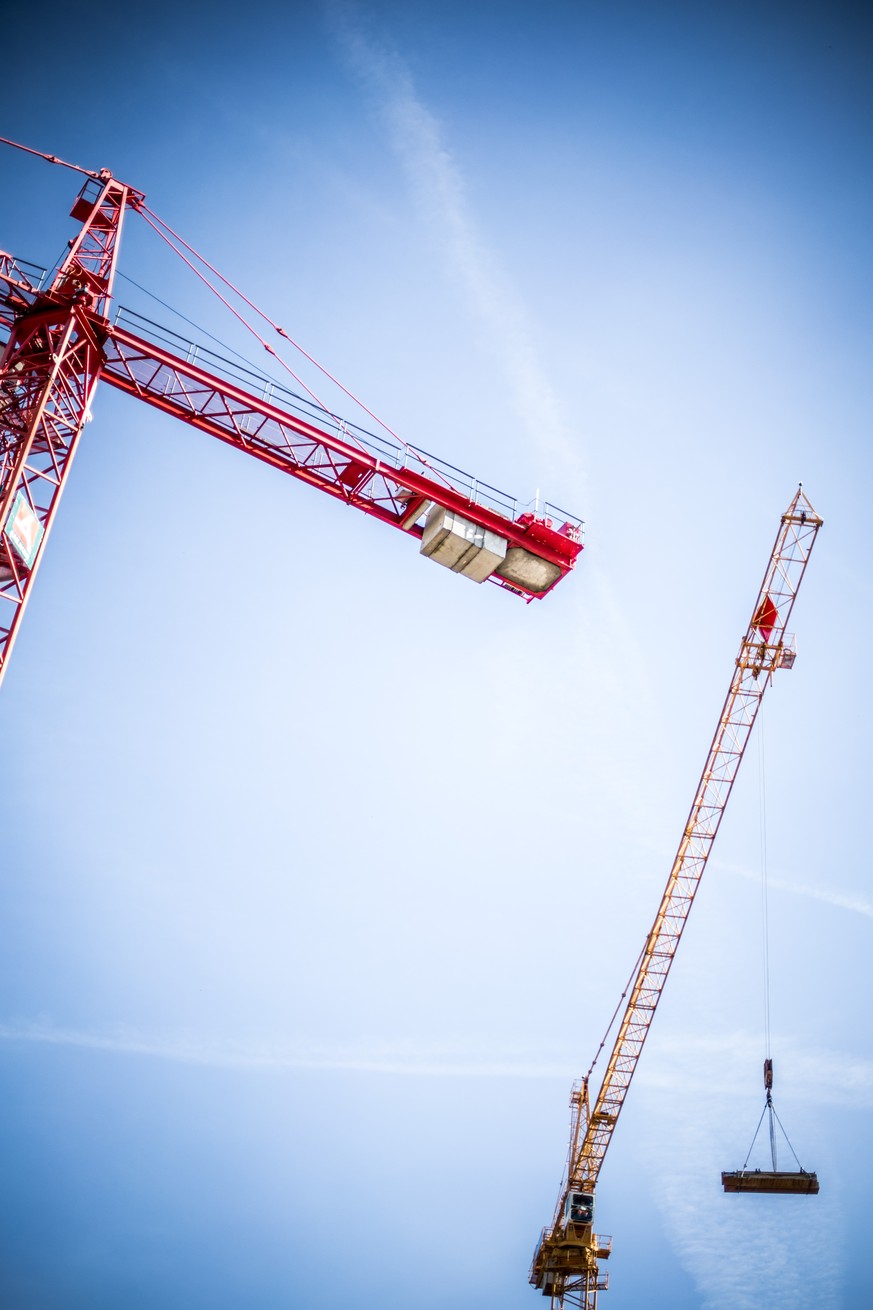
column 184, row 317
column 163, row 228
column 765, row 944
column 148, row 216
column 609, row 1026
column 769, row 1106
column 252, row 368
column 765, row 913
column 204, row 332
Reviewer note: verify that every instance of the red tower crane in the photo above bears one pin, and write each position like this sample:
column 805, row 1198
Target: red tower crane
column 62, row 336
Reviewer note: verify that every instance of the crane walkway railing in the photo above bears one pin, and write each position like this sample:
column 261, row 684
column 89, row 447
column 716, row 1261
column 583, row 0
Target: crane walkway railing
column 394, row 454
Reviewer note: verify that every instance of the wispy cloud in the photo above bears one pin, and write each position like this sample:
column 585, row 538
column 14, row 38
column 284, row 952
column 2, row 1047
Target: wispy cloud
column 685, row 1062
column 786, row 1252
column 681, row 1063
column 418, row 140
column 829, row 896
column 741, row 1252
column 382, row 1058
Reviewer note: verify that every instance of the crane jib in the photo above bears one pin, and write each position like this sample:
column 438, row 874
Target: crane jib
column 397, row 484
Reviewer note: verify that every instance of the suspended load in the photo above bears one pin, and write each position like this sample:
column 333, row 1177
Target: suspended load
column 769, row 1180
column 797, row 1181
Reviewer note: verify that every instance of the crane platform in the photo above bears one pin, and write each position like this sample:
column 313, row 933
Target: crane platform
column 770, row 1180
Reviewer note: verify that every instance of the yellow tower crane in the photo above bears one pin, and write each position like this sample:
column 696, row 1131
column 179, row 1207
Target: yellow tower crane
column 566, row 1263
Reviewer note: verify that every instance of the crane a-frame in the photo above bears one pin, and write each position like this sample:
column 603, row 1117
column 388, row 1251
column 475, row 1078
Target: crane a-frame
column 64, row 335
column 566, row 1260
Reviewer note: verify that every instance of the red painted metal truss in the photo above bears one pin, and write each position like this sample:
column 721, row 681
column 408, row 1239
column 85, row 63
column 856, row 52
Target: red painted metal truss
column 394, row 483
column 50, row 366
column 59, row 341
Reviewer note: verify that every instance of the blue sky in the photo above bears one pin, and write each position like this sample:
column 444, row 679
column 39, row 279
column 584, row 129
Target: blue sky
column 324, row 868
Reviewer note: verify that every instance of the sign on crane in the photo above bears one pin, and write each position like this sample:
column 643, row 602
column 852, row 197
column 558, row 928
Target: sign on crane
column 65, row 335
column 566, row 1263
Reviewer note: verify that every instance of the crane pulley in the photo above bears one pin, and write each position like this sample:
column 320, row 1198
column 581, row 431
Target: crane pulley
column 64, row 336
column 566, row 1260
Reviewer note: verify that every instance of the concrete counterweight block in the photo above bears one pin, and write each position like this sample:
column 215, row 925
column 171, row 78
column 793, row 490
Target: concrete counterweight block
column 524, row 569
column 460, row 545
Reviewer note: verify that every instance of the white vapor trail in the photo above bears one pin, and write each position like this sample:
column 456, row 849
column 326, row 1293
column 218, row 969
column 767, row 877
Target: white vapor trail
column 418, row 140
column 376, row 1058
column 685, row 1063
column 784, row 1252
column 840, row 900
column 681, row 1063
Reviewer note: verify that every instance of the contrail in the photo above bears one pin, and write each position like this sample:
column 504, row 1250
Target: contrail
column 418, row 140
column 676, row 1066
column 378, row 1058
column 840, row 900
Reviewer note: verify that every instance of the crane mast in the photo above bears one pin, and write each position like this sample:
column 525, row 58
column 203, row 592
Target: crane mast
column 61, row 339
column 566, row 1260
column 48, row 374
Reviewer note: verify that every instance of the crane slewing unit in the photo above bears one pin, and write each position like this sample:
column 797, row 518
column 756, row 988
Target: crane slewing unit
column 566, row 1263
column 63, row 335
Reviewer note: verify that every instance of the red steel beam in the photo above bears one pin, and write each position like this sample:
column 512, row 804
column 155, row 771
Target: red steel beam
column 395, row 487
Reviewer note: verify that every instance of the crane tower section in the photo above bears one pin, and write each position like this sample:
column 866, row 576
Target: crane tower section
column 48, row 374
column 566, row 1264
column 62, row 337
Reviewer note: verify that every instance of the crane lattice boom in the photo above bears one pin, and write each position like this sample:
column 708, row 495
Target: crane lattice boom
column 60, row 340
column 566, row 1260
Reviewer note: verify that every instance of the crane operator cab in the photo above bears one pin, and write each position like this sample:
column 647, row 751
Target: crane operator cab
column 579, row 1208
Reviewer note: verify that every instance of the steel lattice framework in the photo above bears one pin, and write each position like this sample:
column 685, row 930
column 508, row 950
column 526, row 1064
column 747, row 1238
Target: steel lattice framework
column 566, row 1260
column 62, row 339
column 389, row 482
column 48, row 373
